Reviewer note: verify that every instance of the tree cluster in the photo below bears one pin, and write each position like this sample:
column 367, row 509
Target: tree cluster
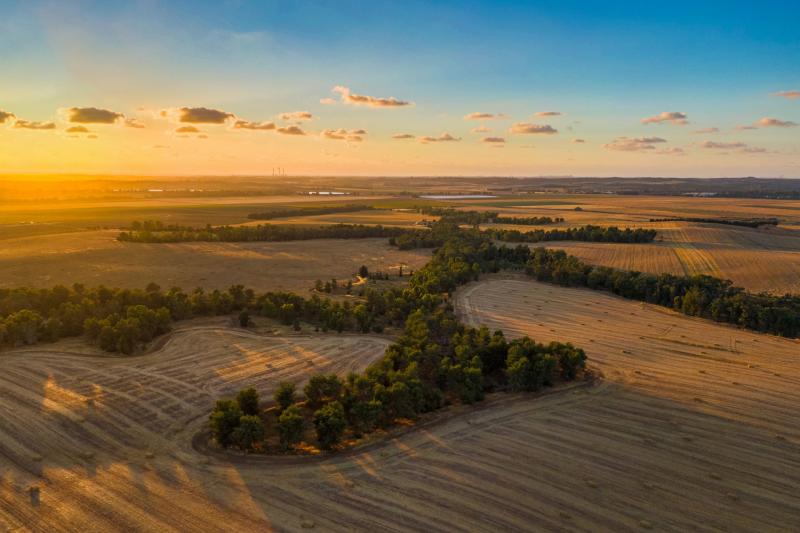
column 746, row 222
column 475, row 218
column 588, row 233
column 287, row 212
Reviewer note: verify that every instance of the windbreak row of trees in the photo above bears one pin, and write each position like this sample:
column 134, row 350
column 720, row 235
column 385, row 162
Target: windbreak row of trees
column 475, row 218
column 287, row 212
column 746, row 222
column 262, row 232
column 703, row 296
column 437, row 361
column 587, row 233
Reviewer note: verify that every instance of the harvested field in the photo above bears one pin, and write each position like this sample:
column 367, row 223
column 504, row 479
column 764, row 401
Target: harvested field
column 96, row 257
column 766, row 259
column 694, row 428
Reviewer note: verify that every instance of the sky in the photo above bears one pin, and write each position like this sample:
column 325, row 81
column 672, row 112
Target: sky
column 496, row 88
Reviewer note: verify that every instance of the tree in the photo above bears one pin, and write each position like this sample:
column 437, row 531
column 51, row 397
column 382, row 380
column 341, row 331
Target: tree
column 244, row 318
column 322, row 388
column 330, row 423
column 284, row 395
column 224, row 420
column 248, row 401
column 290, row 426
column 363, row 271
column 249, row 432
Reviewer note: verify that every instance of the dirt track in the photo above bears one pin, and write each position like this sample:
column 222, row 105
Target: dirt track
column 694, row 428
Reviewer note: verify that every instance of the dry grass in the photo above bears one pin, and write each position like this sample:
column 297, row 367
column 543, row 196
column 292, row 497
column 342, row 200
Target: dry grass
column 96, row 257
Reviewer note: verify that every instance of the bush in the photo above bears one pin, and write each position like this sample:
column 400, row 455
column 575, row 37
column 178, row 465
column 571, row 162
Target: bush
column 330, row 423
column 248, row 401
column 290, row 426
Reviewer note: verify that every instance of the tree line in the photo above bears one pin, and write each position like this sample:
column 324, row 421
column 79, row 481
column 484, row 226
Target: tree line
column 436, row 362
column 588, row 233
column 746, row 222
column 287, row 212
column 700, row 295
column 475, row 218
column 155, row 232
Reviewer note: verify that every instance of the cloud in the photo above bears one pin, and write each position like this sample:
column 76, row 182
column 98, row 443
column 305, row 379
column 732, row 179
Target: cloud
column 371, row 101
column 577, row 141
column 752, row 150
column 198, row 115
column 187, row 129
column 743, row 128
column 247, row 125
column 528, row 128
column 637, row 144
column 481, row 129
column 342, row 134
column 91, row 115
column 296, row 115
column 674, row 117
column 722, row 145
column 769, row 122
column 403, row 136
column 484, row 116
column 5, row 115
column 494, row 140
column 327, row 101
column 31, row 125
column 92, row 136
column 671, row 151
column 791, row 95
column 77, row 129
column 133, row 123
column 705, row 131
column 548, row 114
column 291, row 130
column 444, row 137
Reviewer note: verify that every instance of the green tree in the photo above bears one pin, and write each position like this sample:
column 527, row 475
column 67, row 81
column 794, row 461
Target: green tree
column 244, row 318
column 248, row 400
column 322, row 388
column 290, row 426
column 249, row 432
column 330, row 423
column 224, row 420
column 284, row 395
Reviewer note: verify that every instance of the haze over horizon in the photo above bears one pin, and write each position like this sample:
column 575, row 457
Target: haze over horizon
column 401, row 89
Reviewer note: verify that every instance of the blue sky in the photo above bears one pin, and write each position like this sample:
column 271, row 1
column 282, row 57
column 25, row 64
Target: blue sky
column 605, row 65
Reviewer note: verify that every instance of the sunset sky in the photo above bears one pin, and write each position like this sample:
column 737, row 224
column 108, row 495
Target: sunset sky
column 401, row 88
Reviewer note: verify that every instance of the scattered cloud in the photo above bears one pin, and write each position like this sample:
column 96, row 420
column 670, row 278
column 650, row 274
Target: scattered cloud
column 791, row 95
column 494, row 140
column 187, row 129
column 671, row 151
column 5, row 115
column 247, row 125
column 296, row 115
column 444, row 137
column 371, row 101
column 291, row 130
column 673, row 117
column 706, row 131
column 342, row 134
column 32, row 125
column 133, row 123
column 78, row 129
column 578, row 141
column 403, row 136
column 198, row 115
column 722, row 145
column 635, row 144
column 327, row 101
column 484, row 116
column 548, row 114
column 160, row 146
column 743, row 128
column 528, row 128
column 91, row 115
column 481, row 129
column 769, row 122
column 92, row 136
